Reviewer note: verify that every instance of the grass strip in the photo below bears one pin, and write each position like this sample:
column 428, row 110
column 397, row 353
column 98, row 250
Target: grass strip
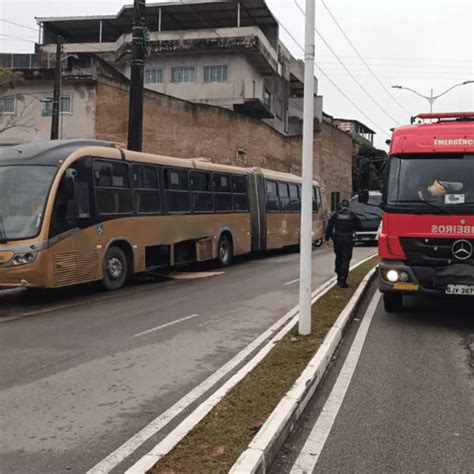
column 217, row 442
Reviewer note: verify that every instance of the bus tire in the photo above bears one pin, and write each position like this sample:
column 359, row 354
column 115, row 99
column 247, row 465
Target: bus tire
column 115, row 267
column 224, row 251
column 393, row 302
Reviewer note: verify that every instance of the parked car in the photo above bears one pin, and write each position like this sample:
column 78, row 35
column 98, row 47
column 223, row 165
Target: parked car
column 370, row 216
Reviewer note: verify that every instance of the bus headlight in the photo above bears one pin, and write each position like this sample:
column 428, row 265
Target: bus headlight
column 23, row 259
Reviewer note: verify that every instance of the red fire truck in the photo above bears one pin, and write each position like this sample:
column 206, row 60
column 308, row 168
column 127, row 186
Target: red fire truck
column 427, row 238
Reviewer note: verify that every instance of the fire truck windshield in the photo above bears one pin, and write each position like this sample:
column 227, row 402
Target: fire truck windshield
column 431, row 184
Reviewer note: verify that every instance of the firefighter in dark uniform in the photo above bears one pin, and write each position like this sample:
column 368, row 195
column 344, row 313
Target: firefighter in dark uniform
column 341, row 227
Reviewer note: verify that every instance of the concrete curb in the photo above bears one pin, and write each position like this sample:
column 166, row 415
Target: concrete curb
column 267, row 442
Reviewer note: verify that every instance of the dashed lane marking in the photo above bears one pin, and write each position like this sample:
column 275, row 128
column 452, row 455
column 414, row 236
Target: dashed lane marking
column 167, row 325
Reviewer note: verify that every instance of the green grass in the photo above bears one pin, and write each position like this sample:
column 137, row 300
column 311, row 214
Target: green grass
column 217, row 442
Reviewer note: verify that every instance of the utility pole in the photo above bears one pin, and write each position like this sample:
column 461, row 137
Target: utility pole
column 306, row 243
column 135, row 108
column 57, row 89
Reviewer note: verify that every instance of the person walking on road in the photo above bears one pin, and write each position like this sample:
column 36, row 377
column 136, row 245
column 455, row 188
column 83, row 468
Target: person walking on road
column 341, row 227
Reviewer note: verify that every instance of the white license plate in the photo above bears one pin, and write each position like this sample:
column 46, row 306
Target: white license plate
column 460, row 290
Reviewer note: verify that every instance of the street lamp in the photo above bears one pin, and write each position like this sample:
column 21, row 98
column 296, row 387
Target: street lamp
column 431, row 98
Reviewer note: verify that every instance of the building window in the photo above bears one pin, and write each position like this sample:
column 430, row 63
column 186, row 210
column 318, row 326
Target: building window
column 267, row 98
column 279, row 109
column 153, row 76
column 182, row 74
column 8, row 104
column 65, row 106
column 280, row 68
column 215, row 73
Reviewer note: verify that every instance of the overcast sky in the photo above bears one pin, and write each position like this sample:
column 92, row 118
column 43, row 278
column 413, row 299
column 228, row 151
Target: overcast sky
column 421, row 44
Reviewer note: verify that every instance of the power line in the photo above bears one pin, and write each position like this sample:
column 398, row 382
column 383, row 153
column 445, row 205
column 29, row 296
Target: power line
column 334, row 84
column 18, row 24
column 17, row 38
column 403, row 58
column 348, row 71
column 362, row 59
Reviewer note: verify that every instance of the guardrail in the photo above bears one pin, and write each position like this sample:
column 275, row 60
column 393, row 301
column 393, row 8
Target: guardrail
column 27, row 61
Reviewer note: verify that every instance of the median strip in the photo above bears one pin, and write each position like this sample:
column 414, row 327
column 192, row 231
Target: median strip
column 226, row 430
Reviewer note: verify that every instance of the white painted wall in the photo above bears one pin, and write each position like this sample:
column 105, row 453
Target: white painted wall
column 80, row 123
column 236, row 89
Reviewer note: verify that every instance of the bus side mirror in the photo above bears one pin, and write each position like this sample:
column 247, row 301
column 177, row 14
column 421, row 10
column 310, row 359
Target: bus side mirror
column 363, row 197
column 70, row 184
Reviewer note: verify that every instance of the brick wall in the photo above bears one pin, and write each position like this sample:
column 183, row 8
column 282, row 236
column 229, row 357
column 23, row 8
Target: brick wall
column 178, row 128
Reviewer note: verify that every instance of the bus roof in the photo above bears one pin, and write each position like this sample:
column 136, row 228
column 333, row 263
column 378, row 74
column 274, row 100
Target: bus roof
column 54, row 152
column 444, row 136
column 50, row 152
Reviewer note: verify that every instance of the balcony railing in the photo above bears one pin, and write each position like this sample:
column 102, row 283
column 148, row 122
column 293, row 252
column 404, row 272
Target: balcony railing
column 27, row 61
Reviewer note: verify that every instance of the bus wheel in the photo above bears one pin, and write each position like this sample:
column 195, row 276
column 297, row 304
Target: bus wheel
column 115, row 269
column 393, row 302
column 224, row 253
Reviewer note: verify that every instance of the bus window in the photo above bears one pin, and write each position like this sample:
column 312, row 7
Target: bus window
column 316, row 199
column 295, row 203
column 272, row 196
column 112, row 188
column 201, row 191
column 146, row 195
column 176, row 190
column 240, row 198
column 284, row 197
column 71, row 213
column 222, row 192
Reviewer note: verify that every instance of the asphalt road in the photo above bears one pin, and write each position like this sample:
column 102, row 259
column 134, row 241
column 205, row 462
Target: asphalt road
column 81, row 373
column 409, row 407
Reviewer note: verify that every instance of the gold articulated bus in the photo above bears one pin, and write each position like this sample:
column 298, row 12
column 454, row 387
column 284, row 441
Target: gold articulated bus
column 78, row 211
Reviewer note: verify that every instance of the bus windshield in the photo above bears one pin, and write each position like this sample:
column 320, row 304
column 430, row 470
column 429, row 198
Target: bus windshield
column 434, row 184
column 23, row 193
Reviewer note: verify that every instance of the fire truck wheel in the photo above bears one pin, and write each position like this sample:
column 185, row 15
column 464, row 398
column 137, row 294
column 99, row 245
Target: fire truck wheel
column 393, row 302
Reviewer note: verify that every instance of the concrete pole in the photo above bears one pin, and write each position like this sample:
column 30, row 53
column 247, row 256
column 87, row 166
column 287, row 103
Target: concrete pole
column 304, row 326
column 431, row 102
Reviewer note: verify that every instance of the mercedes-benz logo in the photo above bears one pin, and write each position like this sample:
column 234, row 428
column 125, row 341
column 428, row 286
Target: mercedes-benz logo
column 462, row 249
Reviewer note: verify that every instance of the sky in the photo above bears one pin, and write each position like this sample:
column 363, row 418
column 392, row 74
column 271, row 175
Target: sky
column 420, row 44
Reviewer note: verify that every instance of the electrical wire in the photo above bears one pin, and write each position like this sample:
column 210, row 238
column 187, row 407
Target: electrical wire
column 335, row 85
column 18, row 24
column 348, row 71
column 362, row 59
column 17, row 38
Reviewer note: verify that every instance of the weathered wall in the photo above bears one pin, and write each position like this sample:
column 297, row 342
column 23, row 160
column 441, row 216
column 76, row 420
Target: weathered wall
column 183, row 129
column 32, row 125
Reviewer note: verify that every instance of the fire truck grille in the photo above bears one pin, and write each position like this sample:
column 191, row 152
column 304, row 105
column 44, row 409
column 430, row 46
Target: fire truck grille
column 433, row 252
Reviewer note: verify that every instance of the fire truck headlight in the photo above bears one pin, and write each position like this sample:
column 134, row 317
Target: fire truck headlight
column 392, row 276
column 403, row 276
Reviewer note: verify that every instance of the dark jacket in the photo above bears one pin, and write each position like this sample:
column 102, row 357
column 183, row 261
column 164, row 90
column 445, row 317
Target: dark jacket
column 342, row 225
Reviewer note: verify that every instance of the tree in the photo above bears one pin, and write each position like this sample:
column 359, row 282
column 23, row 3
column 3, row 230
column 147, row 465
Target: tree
column 22, row 117
column 374, row 159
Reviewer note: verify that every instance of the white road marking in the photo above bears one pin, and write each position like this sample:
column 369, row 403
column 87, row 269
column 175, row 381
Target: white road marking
column 291, row 282
column 156, row 425
column 167, row 325
column 316, row 440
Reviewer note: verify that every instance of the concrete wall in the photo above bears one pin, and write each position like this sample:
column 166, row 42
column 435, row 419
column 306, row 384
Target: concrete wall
column 31, row 125
column 239, row 85
column 183, row 129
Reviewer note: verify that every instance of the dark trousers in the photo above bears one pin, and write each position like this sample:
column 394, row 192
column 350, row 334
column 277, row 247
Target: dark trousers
column 343, row 252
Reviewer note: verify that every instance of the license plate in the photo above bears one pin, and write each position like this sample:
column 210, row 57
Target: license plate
column 460, row 290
